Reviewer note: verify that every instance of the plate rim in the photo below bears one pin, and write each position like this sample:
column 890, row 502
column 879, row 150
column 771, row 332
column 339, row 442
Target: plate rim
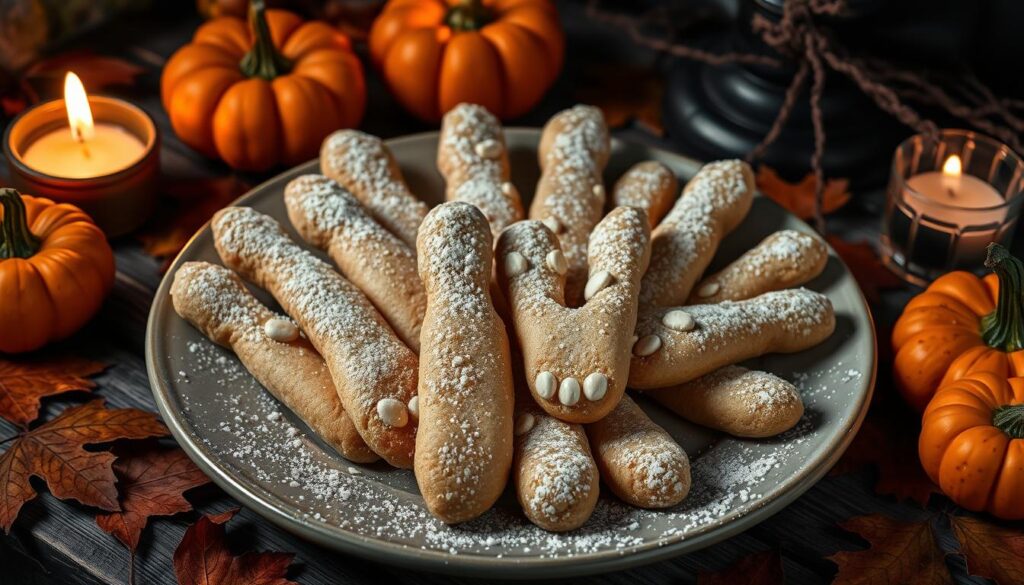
column 436, row 561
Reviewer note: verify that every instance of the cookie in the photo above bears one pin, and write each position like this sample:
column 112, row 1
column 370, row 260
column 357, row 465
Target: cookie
column 374, row 372
column 214, row 300
column 464, row 445
column 383, row 267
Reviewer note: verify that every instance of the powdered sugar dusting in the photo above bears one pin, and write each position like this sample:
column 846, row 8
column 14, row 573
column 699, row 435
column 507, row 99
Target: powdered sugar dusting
column 472, row 177
column 682, row 245
column 363, row 165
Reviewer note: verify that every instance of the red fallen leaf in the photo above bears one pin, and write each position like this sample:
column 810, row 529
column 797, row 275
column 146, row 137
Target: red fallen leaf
column 994, row 552
column 24, row 382
column 762, row 568
column 900, row 552
column 194, row 203
column 202, row 559
column 625, row 93
column 798, row 198
column 54, row 451
column 152, row 483
column 866, row 267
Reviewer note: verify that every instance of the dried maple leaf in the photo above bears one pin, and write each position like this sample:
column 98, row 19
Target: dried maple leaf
column 762, row 568
column 202, row 559
column 46, row 77
column 992, row 551
column 55, row 452
column 194, row 203
column 152, row 483
column 625, row 93
column 866, row 267
column 24, row 382
column 798, row 198
column 900, row 552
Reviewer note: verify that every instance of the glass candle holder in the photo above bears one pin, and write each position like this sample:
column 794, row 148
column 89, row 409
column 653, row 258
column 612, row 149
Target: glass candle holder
column 947, row 199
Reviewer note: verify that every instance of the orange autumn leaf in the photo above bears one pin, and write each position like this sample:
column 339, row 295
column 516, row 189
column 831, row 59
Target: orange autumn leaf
column 23, row 383
column 992, row 551
column 762, row 568
column 152, row 482
column 899, row 552
column 55, row 451
column 193, row 202
column 203, row 559
column 798, row 198
column 866, row 267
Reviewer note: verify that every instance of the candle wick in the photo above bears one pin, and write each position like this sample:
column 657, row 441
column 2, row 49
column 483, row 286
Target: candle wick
column 85, row 150
column 951, row 193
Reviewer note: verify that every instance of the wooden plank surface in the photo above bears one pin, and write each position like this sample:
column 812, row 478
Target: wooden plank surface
column 58, row 542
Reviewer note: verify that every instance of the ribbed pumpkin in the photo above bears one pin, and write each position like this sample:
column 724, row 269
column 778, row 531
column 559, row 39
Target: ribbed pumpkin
column 972, row 443
column 500, row 54
column 961, row 325
column 261, row 97
column 55, row 269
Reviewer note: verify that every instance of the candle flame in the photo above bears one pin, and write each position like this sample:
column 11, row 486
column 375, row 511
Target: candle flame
column 952, row 166
column 77, row 104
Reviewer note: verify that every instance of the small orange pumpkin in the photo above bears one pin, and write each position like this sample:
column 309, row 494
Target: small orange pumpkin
column 55, row 269
column 961, row 325
column 972, row 443
column 257, row 99
column 501, row 54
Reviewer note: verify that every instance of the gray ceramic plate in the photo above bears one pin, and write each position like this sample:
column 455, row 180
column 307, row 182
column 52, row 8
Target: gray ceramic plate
column 263, row 456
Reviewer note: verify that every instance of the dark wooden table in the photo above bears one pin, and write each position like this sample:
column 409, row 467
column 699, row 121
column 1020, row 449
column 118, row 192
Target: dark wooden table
column 59, row 542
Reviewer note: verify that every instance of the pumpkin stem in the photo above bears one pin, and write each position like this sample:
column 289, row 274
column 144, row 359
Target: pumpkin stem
column 1010, row 419
column 16, row 240
column 263, row 60
column 1004, row 328
column 468, row 15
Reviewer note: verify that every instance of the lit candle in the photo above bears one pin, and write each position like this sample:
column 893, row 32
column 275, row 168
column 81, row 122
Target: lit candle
column 97, row 152
column 951, row 187
column 949, row 196
column 84, row 149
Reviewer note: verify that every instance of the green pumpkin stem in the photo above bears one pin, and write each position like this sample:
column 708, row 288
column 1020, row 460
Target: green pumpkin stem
column 1010, row 420
column 16, row 240
column 1004, row 328
column 468, row 15
column 263, row 60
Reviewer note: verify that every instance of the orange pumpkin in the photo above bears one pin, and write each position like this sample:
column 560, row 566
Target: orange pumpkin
column 55, row 269
column 972, row 443
column 501, row 54
column 260, row 98
column 961, row 325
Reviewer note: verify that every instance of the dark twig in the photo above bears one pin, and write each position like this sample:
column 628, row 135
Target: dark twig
column 800, row 39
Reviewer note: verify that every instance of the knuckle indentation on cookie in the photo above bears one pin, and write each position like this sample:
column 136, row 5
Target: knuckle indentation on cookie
column 678, row 320
column 508, row 188
column 515, row 264
column 552, row 224
column 281, row 330
column 595, row 386
column 647, row 345
column 545, row 385
column 556, row 261
column 598, row 190
column 709, row 289
column 524, row 424
column 569, row 392
column 598, row 282
column 392, row 412
column 489, row 148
